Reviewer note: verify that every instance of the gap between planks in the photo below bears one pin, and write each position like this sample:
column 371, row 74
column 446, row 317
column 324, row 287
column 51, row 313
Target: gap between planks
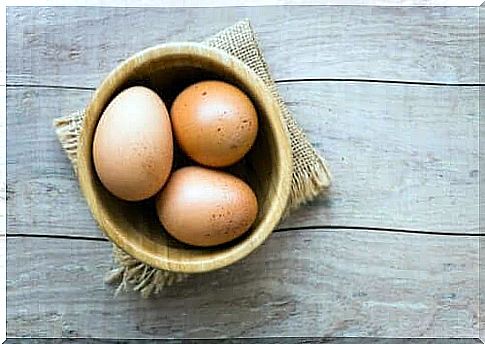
column 285, row 81
column 279, row 230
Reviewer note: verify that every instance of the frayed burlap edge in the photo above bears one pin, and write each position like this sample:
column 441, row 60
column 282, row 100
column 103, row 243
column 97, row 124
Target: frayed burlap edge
column 138, row 276
column 311, row 175
column 67, row 130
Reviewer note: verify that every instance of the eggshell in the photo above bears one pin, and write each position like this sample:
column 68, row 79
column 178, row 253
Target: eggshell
column 133, row 144
column 205, row 207
column 214, row 123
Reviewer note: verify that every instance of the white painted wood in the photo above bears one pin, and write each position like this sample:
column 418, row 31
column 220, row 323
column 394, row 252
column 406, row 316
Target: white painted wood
column 78, row 46
column 299, row 283
column 218, row 3
column 401, row 156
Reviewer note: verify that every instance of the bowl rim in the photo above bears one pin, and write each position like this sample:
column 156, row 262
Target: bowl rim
column 283, row 148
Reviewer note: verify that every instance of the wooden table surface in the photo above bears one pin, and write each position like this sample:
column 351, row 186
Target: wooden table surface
column 388, row 95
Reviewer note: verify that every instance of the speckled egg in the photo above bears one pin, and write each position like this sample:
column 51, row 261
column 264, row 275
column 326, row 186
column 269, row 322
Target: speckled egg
column 133, row 144
column 205, row 207
column 214, row 122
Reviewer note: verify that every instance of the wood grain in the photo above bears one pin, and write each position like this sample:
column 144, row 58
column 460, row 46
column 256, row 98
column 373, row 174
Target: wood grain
column 318, row 283
column 403, row 156
column 78, row 46
column 260, row 340
column 481, row 290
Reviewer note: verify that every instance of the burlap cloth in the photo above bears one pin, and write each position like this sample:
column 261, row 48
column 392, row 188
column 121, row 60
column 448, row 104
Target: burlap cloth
column 311, row 175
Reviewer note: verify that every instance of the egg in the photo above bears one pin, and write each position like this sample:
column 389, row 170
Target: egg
column 133, row 144
column 214, row 123
column 205, row 207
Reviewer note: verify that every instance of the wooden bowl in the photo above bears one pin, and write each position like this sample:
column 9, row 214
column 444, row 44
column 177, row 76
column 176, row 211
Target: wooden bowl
column 134, row 226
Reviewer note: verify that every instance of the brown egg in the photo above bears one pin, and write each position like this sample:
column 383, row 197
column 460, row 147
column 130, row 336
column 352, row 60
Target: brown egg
column 214, row 123
column 205, row 207
column 133, row 145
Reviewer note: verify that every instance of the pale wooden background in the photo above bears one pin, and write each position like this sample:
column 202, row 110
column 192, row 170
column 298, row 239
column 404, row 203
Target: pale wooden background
column 388, row 95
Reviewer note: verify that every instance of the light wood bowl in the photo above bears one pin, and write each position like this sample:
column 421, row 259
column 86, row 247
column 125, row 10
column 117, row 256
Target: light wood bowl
column 134, row 226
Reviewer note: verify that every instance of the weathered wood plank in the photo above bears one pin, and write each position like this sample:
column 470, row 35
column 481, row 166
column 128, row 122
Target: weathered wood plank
column 78, row 46
column 402, row 157
column 481, row 290
column 300, row 283
column 261, row 340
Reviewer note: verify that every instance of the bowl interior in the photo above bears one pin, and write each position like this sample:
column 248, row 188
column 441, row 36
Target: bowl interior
column 134, row 226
